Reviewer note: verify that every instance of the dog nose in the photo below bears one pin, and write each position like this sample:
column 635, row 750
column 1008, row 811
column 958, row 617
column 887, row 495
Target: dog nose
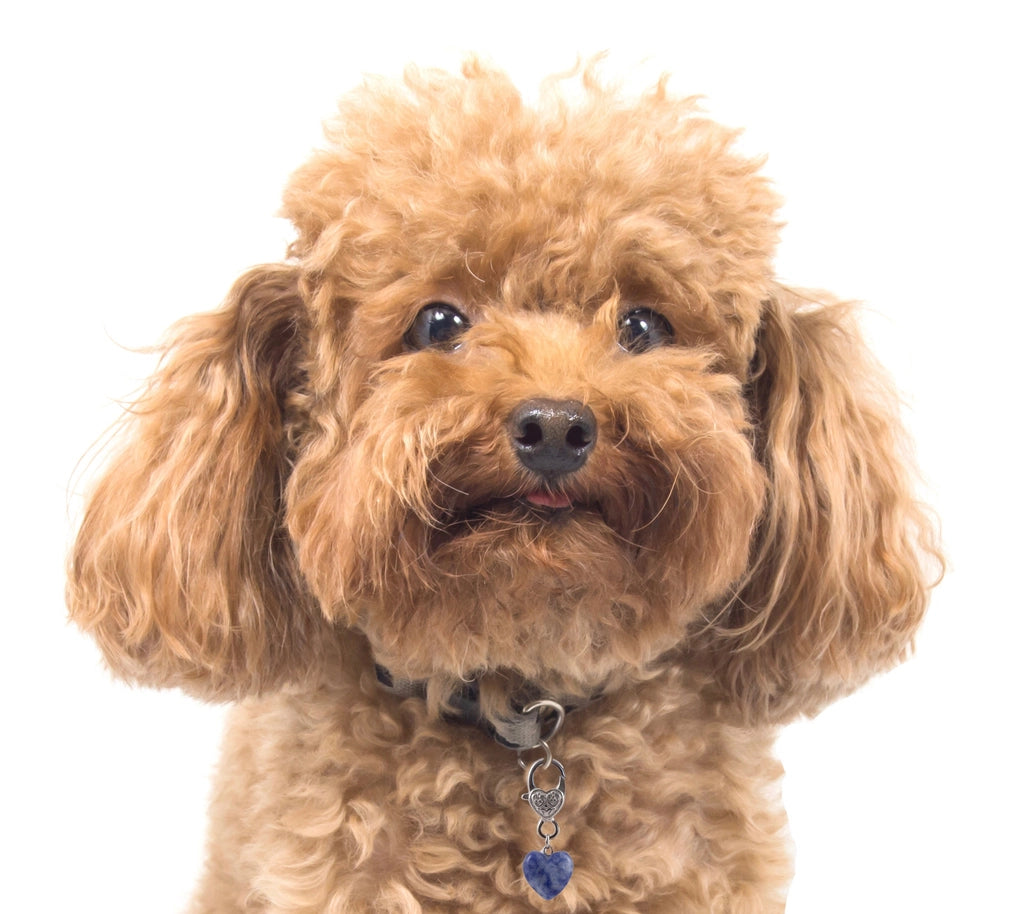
column 552, row 437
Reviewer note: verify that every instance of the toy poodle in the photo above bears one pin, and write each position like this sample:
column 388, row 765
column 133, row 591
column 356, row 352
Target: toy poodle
column 514, row 509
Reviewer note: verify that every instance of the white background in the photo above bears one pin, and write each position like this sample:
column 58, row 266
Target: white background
column 143, row 152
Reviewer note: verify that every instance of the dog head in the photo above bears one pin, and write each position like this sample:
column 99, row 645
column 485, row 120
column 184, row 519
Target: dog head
column 525, row 399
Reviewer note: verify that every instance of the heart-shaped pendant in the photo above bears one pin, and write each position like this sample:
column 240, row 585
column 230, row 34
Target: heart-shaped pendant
column 545, row 802
column 548, row 874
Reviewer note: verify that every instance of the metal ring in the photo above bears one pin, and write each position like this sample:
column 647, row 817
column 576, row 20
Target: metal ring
column 546, row 762
column 542, row 834
column 557, row 708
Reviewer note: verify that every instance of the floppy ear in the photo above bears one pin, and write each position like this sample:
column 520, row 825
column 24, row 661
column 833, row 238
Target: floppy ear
column 182, row 569
column 844, row 556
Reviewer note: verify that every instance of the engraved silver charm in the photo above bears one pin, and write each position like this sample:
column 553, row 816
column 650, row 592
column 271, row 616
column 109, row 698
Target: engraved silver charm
column 546, row 803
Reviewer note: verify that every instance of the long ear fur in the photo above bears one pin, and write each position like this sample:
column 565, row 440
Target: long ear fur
column 181, row 569
column 845, row 556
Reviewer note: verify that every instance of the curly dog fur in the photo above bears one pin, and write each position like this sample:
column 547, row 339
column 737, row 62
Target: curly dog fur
column 324, row 475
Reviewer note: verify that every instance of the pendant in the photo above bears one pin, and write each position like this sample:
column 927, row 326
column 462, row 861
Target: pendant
column 548, row 874
column 545, row 871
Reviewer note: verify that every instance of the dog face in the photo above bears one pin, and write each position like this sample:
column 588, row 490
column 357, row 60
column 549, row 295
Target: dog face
column 539, row 404
column 552, row 488
column 525, row 398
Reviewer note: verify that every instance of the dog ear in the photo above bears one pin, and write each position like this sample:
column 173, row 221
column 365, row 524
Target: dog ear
column 182, row 569
column 844, row 556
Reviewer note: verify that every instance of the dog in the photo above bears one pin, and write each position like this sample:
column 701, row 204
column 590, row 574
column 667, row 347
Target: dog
column 515, row 509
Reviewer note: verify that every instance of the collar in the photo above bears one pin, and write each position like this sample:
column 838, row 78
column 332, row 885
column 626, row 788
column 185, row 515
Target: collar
column 521, row 730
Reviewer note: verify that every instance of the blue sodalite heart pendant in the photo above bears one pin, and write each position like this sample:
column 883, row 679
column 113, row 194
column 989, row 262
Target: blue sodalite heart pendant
column 548, row 874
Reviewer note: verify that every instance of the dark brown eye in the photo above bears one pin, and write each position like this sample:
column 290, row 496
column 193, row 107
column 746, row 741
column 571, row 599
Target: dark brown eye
column 643, row 329
column 436, row 326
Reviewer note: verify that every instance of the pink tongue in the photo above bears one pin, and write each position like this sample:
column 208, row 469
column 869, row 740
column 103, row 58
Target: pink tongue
column 549, row 499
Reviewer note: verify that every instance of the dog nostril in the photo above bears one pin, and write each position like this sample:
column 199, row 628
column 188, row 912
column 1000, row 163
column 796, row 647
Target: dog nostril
column 578, row 436
column 552, row 437
column 531, row 434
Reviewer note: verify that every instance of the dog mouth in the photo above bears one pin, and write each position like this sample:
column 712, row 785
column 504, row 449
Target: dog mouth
column 534, row 507
column 554, row 501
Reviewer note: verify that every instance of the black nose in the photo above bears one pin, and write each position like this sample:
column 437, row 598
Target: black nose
column 552, row 437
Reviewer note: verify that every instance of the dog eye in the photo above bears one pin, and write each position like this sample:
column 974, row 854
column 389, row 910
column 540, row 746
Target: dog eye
column 437, row 325
column 643, row 329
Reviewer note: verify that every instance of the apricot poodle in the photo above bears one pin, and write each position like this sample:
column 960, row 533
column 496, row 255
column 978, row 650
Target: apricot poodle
column 523, row 447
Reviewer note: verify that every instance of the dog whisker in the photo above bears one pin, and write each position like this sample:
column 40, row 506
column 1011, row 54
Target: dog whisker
column 674, row 485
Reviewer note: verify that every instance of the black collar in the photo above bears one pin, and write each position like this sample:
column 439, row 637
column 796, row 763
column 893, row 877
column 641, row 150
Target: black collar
column 519, row 730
